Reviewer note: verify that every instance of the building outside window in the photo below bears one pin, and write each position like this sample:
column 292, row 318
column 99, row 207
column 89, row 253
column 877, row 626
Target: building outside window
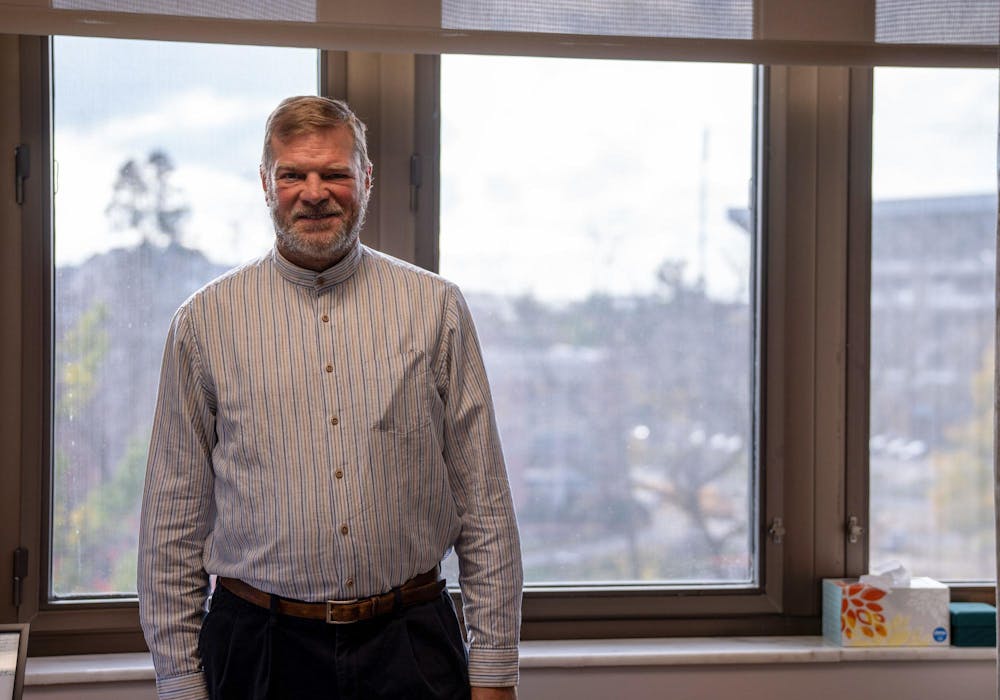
column 933, row 305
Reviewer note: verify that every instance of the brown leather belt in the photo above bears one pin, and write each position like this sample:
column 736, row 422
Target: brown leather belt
column 422, row 588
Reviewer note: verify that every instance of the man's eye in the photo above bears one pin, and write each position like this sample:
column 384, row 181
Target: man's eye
column 288, row 176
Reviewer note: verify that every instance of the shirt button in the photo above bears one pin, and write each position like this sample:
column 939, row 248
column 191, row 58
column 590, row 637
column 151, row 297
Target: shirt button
column 319, row 281
column 343, row 529
column 325, row 318
column 349, row 583
column 334, row 420
column 329, row 368
column 339, row 473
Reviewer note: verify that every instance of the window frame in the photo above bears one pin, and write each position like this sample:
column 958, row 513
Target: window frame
column 813, row 201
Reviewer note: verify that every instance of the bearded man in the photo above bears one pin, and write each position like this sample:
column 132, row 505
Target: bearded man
column 324, row 436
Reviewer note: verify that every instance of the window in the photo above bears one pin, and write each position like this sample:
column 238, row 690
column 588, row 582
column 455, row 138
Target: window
column 933, row 291
column 704, row 495
column 157, row 193
column 601, row 238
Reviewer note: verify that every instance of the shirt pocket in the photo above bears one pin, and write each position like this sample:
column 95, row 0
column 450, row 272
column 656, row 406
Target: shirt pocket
column 398, row 393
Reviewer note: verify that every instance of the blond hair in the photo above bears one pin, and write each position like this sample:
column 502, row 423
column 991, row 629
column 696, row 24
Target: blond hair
column 308, row 114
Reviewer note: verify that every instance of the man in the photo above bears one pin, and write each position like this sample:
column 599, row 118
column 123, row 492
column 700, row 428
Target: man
column 323, row 435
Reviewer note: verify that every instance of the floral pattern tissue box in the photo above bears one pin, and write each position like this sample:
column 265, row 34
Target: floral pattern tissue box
column 860, row 615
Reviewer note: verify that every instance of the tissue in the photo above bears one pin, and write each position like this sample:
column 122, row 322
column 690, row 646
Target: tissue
column 887, row 576
column 856, row 613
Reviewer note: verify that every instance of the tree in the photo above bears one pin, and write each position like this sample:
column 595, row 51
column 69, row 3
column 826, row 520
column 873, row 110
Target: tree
column 963, row 492
column 113, row 309
column 80, row 355
column 144, row 201
column 574, row 383
column 95, row 543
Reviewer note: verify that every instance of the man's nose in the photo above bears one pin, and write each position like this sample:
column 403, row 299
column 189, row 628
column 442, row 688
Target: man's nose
column 313, row 190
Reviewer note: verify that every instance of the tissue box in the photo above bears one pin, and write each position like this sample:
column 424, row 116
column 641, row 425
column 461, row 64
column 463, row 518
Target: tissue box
column 973, row 625
column 859, row 615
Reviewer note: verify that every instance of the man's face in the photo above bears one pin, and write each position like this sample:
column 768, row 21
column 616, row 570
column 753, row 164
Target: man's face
column 317, row 194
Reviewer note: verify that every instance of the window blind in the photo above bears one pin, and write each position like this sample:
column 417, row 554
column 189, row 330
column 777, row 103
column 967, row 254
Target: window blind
column 286, row 10
column 824, row 32
column 724, row 19
column 937, row 22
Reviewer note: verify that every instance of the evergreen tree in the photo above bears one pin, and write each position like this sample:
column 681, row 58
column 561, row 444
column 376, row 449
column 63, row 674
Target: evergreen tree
column 145, row 201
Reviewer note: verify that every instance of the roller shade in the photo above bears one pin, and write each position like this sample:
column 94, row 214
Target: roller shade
column 934, row 22
column 845, row 32
column 288, row 10
column 723, row 19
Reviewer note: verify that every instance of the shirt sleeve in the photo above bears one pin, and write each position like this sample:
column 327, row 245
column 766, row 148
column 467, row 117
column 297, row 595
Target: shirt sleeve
column 176, row 516
column 488, row 547
column 189, row 687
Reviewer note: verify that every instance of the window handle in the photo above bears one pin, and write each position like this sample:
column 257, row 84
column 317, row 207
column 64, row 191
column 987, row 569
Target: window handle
column 22, row 171
column 777, row 531
column 416, row 180
column 854, row 529
column 20, row 573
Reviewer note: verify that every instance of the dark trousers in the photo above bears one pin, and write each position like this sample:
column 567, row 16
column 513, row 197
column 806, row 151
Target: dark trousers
column 248, row 653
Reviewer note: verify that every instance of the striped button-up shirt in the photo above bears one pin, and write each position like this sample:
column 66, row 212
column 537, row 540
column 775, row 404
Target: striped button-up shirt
column 325, row 436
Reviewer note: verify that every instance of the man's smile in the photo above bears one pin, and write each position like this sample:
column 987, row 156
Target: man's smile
column 318, row 216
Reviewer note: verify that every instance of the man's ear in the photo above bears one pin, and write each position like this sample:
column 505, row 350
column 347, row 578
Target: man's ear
column 265, row 182
column 368, row 178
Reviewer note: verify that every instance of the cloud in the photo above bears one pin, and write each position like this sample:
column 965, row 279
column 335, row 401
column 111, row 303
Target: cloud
column 182, row 116
column 228, row 220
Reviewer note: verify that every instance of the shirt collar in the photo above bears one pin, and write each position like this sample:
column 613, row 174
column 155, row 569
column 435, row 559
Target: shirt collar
column 319, row 281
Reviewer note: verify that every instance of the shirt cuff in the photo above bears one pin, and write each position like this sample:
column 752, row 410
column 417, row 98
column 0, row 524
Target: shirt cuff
column 493, row 668
column 187, row 687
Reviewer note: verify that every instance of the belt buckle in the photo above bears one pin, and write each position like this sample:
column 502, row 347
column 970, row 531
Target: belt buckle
column 329, row 611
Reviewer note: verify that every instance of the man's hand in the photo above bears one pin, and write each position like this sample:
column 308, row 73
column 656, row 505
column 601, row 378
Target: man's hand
column 480, row 693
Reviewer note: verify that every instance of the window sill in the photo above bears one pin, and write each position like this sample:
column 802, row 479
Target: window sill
column 88, row 668
column 604, row 653
column 701, row 651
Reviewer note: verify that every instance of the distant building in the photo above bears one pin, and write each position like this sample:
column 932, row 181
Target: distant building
column 933, row 298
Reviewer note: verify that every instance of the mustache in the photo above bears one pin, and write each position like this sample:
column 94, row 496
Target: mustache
column 316, row 212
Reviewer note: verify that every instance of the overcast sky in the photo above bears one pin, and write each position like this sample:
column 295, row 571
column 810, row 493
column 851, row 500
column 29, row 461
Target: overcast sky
column 113, row 101
column 560, row 177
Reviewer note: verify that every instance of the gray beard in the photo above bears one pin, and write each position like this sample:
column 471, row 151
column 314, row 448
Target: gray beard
column 342, row 244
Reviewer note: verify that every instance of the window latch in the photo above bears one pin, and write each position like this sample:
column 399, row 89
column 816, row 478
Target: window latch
column 20, row 573
column 854, row 529
column 22, row 171
column 416, row 180
column 777, row 531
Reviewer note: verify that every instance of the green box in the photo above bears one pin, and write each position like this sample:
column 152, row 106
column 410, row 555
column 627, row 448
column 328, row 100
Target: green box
column 973, row 624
